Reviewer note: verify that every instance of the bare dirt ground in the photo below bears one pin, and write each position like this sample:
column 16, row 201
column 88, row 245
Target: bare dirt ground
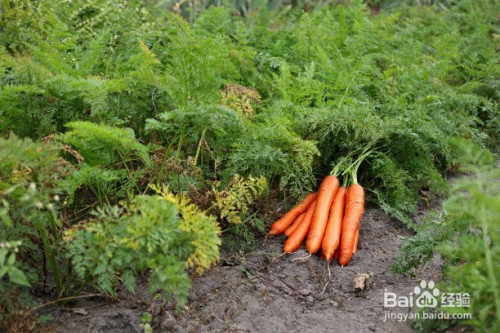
column 261, row 292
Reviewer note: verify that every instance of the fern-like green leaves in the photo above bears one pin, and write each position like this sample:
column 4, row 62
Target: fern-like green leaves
column 163, row 233
column 104, row 145
column 217, row 102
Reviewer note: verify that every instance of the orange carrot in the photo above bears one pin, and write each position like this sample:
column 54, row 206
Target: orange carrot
column 326, row 193
column 336, row 254
column 293, row 242
column 332, row 233
column 355, row 248
column 354, row 207
column 294, row 225
column 284, row 222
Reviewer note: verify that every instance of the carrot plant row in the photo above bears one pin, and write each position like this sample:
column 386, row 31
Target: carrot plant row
column 328, row 220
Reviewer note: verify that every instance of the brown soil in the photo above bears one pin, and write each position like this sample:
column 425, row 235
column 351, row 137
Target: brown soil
column 261, row 291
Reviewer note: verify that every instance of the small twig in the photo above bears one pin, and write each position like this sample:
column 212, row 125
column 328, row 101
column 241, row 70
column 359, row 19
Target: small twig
column 236, row 327
column 292, row 288
column 217, row 317
column 270, row 284
column 43, row 284
column 263, row 252
column 87, row 307
column 260, row 272
column 65, row 299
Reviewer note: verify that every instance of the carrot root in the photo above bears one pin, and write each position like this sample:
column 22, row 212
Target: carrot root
column 294, row 225
column 326, row 193
column 355, row 201
column 293, row 242
column 286, row 220
column 334, row 225
column 355, row 247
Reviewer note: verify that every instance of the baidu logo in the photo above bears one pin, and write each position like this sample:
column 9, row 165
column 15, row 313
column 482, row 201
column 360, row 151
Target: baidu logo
column 427, row 295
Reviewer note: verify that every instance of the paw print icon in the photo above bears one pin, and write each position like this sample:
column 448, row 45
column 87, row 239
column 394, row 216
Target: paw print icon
column 426, row 294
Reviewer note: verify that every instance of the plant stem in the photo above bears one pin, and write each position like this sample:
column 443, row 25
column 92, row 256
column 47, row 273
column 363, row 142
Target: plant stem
column 54, row 225
column 347, row 90
column 52, row 259
column 352, row 170
column 164, row 161
column 338, row 167
column 199, row 145
column 179, row 147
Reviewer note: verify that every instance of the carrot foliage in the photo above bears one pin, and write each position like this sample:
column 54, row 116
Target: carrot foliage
column 234, row 106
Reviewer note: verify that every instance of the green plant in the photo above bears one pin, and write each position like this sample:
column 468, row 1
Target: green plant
column 162, row 233
column 146, row 322
column 30, row 191
column 105, row 145
column 270, row 148
column 8, row 252
column 31, row 195
column 235, row 200
column 103, row 184
column 466, row 235
column 10, row 268
column 114, row 160
column 242, row 237
column 123, row 93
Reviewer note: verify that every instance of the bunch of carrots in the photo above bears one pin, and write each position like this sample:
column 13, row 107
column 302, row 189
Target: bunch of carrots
column 330, row 218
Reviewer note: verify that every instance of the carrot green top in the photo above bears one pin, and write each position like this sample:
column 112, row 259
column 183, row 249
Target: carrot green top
column 349, row 174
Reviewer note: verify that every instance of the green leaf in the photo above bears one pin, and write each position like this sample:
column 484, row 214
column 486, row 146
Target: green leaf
column 3, row 254
column 17, row 276
column 11, row 260
column 4, row 213
column 3, row 271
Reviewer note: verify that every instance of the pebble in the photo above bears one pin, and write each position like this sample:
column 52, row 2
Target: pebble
column 168, row 322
